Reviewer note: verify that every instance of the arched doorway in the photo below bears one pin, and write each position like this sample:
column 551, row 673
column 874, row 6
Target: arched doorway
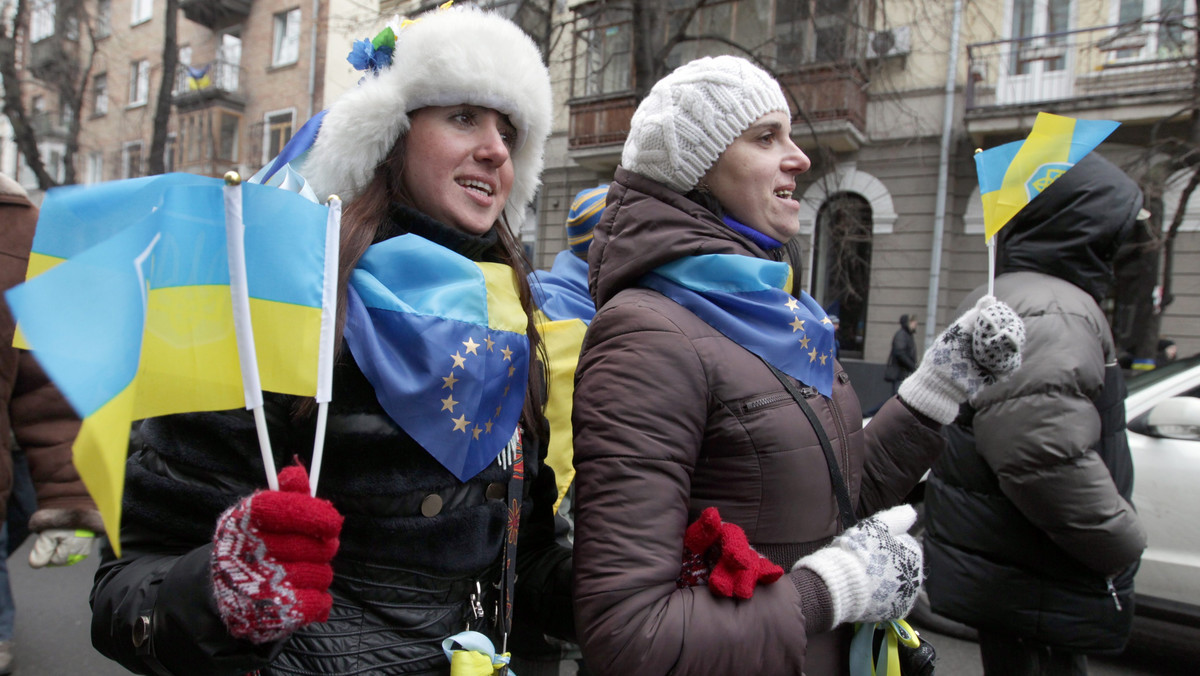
column 841, row 266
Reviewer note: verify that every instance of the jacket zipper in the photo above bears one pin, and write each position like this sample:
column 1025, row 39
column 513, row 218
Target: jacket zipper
column 763, row 402
column 1113, row 591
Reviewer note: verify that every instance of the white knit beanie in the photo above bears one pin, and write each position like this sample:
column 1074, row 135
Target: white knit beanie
column 445, row 57
column 690, row 117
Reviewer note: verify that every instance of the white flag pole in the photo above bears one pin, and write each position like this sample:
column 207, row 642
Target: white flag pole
column 991, row 246
column 235, row 235
column 333, row 233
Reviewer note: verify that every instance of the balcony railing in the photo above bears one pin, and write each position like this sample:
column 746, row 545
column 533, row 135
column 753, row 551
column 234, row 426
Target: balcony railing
column 826, row 94
column 49, row 125
column 829, row 93
column 1142, row 61
column 197, row 85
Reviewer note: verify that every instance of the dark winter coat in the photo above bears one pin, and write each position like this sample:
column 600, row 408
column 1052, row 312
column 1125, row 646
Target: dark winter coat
column 402, row 578
column 31, row 407
column 902, row 360
column 671, row 417
column 1030, row 530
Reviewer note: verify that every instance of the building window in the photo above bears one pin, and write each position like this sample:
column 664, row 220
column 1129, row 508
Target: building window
column 1162, row 26
column 142, row 11
column 278, row 129
column 287, row 38
column 41, row 20
column 813, row 31
column 95, row 167
column 103, row 18
column 100, row 94
column 139, row 82
column 169, row 154
column 227, row 136
column 131, row 160
column 605, row 47
column 841, row 267
column 229, row 62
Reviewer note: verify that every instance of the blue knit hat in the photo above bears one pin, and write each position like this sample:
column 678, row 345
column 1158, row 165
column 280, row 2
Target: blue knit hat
column 583, row 217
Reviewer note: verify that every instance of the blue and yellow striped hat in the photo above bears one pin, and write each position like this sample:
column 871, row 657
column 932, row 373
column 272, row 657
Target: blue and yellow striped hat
column 583, row 217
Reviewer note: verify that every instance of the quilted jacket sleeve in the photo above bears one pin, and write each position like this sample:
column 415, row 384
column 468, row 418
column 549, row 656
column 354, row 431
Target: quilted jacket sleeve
column 639, row 419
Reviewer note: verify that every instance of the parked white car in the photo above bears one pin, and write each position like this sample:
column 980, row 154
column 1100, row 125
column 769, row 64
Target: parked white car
column 1162, row 412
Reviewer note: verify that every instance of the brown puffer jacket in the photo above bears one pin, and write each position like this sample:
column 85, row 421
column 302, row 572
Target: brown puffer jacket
column 671, row 417
column 31, row 407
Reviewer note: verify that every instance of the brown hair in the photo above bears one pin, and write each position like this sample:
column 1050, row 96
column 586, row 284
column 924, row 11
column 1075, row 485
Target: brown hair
column 361, row 221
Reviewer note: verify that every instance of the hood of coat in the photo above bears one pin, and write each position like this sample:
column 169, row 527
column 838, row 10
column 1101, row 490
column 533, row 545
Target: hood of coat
column 1073, row 229
column 646, row 225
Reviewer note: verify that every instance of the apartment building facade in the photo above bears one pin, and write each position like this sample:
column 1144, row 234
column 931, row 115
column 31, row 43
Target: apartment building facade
column 249, row 73
column 891, row 221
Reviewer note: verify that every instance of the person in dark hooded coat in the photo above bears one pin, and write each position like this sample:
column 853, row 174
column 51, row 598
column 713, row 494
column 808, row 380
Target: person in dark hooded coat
column 1031, row 536
column 903, row 359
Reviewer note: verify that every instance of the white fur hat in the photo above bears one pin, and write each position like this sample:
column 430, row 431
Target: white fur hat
column 692, row 115
column 446, row 57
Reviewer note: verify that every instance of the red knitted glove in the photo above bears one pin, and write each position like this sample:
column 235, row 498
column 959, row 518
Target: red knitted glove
column 270, row 560
column 718, row 554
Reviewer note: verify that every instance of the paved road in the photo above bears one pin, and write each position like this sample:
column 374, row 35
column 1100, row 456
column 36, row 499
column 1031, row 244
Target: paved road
column 52, row 633
column 53, row 619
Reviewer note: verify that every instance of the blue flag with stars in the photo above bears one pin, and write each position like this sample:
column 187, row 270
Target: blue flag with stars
column 442, row 340
column 744, row 299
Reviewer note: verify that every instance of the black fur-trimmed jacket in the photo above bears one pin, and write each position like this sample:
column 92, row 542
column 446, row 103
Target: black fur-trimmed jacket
column 401, row 579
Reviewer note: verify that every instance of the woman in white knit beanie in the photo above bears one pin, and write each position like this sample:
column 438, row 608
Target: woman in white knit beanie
column 432, row 468
column 717, row 525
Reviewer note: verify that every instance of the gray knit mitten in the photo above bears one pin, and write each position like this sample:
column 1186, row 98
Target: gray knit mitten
column 982, row 347
column 873, row 570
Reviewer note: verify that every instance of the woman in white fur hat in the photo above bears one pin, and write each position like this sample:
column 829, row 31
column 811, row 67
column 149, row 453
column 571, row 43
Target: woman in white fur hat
column 410, row 540
column 690, row 442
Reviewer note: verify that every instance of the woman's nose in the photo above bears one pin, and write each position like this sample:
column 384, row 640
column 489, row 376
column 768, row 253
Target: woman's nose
column 796, row 161
column 492, row 146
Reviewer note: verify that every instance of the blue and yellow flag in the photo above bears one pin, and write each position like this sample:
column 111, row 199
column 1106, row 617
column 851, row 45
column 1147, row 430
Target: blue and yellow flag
column 442, row 340
column 744, row 299
column 1013, row 174
column 128, row 306
column 198, row 78
column 565, row 308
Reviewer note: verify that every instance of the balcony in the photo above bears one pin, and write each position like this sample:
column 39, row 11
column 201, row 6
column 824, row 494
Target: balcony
column 833, row 105
column 54, row 57
column 216, row 14
column 49, row 126
column 832, row 100
column 1132, row 72
column 216, row 84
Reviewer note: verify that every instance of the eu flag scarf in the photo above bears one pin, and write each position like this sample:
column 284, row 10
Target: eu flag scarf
column 743, row 298
column 442, row 340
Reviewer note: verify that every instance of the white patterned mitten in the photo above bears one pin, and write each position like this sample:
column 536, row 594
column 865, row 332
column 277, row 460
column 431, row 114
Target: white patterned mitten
column 873, row 570
column 982, row 347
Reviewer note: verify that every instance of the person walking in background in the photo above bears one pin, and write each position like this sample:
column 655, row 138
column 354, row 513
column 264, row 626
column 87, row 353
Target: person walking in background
column 686, row 404
column 37, row 418
column 565, row 308
column 434, row 151
column 902, row 360
column 1030, row 534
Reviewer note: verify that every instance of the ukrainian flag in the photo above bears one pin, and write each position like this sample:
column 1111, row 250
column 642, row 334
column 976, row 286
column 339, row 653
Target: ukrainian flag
column 565, row 308
column 198, row 78
column 1013, row 174
column 128, row 306
column 442, row 340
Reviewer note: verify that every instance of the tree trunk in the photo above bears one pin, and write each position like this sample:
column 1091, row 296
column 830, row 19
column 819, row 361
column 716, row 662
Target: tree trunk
column 14, row 107
column 162, row 108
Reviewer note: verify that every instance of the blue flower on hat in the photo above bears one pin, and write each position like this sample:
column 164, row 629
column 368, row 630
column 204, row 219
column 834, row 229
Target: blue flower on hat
column 373, row 55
